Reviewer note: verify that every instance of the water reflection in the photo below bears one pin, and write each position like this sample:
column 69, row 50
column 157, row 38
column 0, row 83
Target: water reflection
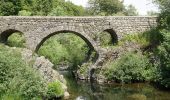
column 80, row 90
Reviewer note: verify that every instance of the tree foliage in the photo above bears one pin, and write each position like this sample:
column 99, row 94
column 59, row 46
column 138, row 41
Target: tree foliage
column 131, row 11
column 164, row 17
column 39, row 7
column 105, row 7
column 164, row 59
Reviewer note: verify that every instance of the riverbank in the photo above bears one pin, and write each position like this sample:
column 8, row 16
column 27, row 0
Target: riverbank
column 79, row 89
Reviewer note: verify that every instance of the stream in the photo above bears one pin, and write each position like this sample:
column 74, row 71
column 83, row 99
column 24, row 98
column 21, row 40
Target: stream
column 81, row 90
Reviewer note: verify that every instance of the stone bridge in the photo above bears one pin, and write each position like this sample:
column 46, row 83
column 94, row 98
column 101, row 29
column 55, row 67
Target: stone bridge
column 38, row 29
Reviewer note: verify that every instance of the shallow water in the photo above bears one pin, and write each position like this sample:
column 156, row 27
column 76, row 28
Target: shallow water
column 80, row 90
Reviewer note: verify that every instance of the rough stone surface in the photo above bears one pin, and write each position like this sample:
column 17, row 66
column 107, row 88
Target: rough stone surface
column 44, row 66
column 37, row 29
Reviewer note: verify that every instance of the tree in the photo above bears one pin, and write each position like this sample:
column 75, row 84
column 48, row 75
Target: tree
column 10, row 7
column 152, row 13
column 57, row 11
column 106, row 7
column 62, row 8
column 24, row 13
column 130, row 10
column 164, row 17
column 39, row 7
column 162, row 52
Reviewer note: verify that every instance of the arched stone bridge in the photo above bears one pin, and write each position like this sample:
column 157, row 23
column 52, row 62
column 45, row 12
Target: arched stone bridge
column 37, row 29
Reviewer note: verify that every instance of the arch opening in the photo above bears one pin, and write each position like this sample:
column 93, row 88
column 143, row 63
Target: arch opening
column 108, row 37
column 13, row 38
column 67, row 50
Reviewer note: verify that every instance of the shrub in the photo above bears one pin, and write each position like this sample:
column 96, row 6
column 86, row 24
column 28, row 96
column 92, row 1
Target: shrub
column 17, row 79
column 55, row 90
column 147, row 38
column 164, row 58
column 24, row 13
column 131, row 67
column 16, row 40
column 65, row 49
column 137, row 38
column 105, row 39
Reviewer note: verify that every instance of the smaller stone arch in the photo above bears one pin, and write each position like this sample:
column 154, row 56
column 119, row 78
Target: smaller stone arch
column 113, row 35
column 107, row 37
column 5, row 34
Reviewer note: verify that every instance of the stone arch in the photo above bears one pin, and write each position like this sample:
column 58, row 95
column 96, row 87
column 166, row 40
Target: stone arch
column 64, row 31
column 5, row 34
column 88, row 42
column 113, row 35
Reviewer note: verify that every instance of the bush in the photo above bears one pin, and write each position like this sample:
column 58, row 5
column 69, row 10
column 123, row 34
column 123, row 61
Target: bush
column 65, row 49
column 55, row 90
column 147, row 38
column 164, row 16
column 136, row 38
column 24, row 13
column 164, row 58
column 16, row 40
column 131, row 67
column 18, row 80
column 105, row 39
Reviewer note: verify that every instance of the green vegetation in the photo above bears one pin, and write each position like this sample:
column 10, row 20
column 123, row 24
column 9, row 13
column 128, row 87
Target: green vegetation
column 40, row 7
column 55, row 90
column 131, row 11
column 153, row 63
column 70, row 50
column 110, row 8
column 17, row 79
column 64, row 8
column 105, row 39
column 105, row 7
column 148, row 38
column 16, row 40
column 164, row 16
column 162, row 52
column 131, row 67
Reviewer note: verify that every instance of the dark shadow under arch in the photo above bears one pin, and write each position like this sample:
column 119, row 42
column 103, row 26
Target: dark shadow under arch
column 113, row 35
column 4, row 35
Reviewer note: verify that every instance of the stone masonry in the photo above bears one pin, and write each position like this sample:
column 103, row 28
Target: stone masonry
column 38, row 29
